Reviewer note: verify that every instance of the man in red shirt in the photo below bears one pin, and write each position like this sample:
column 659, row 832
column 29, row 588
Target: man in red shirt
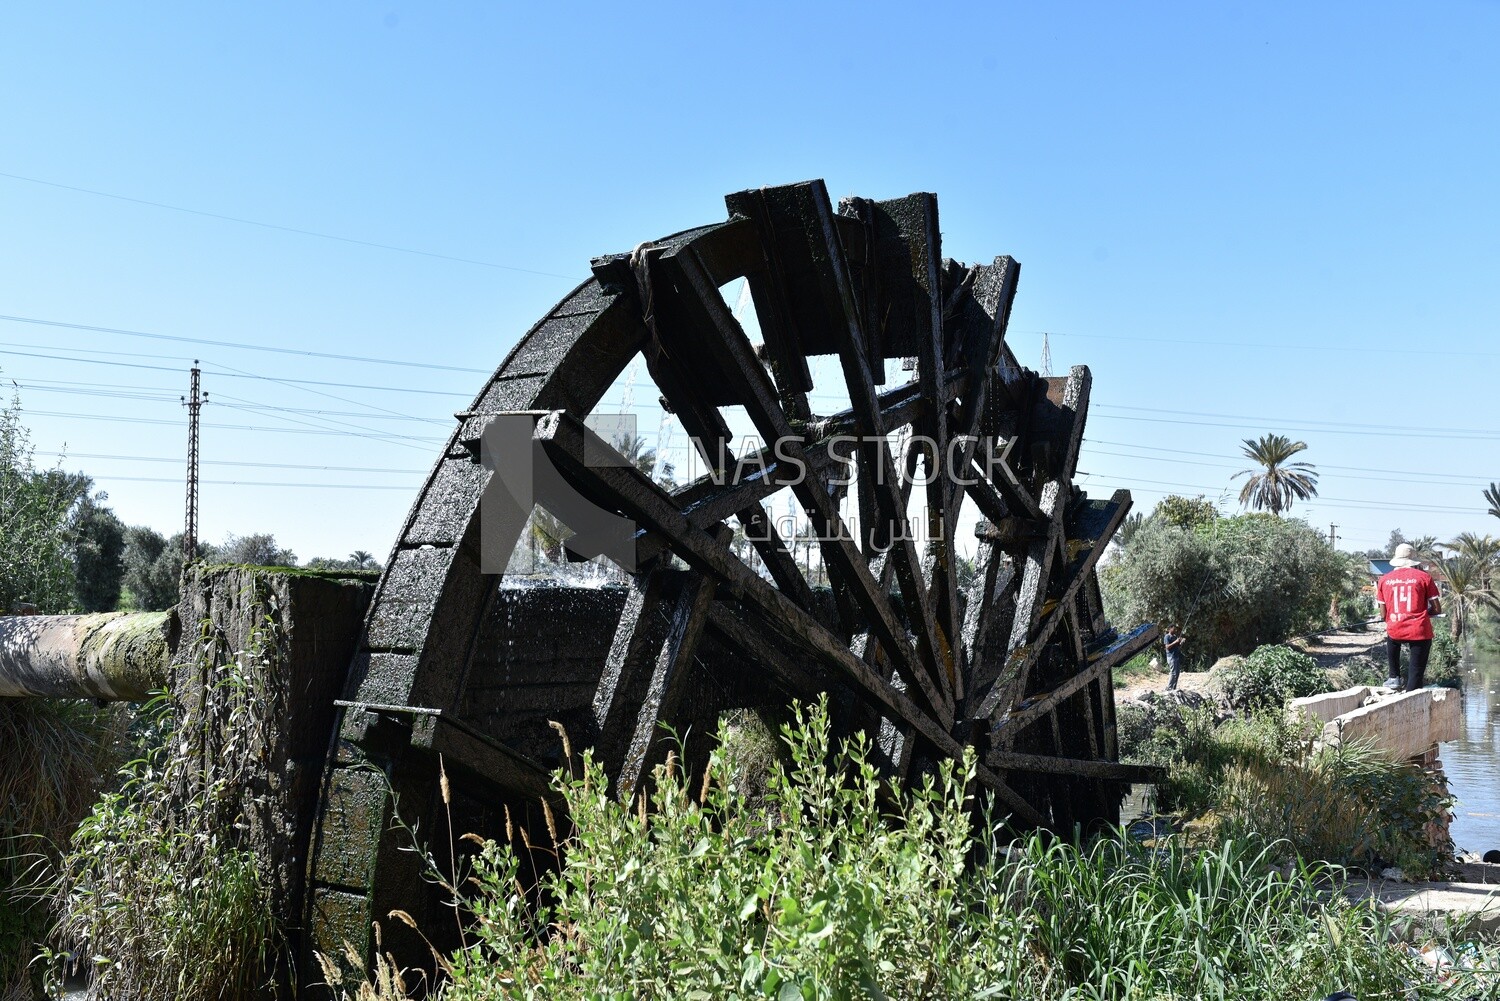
column 1408, row 598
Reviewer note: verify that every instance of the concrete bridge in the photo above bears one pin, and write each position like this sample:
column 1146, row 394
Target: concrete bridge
column 1403, row 724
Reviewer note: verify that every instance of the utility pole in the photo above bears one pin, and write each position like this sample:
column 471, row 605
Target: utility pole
column 194, row 403
column 1046, row 356
column 1333, row 537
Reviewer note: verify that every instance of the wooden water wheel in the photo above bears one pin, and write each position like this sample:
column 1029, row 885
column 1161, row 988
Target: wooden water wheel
column 1011, row 655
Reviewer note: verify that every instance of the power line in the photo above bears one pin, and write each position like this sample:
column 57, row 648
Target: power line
column 1215, row 455
column 1295, row 420
column 1267, row 346
column 165, row 396
column 251, row 405
column 228, row 462
column 317, row 392
column 1460, row 436
column 240, row 345
column 1342, row 476
column 265, row 483
column 115, row 418
column 342, row 427
column 1359, row 504
column 284, row 229
column 240, row 375
column 184, row 358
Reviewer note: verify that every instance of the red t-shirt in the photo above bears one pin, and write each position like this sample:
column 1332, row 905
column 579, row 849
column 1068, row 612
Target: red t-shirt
column 1405, row 592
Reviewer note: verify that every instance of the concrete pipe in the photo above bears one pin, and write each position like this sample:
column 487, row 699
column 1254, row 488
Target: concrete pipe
column 114, row 656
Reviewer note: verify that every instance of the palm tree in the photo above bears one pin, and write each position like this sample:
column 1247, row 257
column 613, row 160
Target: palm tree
column 644, row 459
column 1426, row 548
column 1466, row 592
column 361, row 559
column 1278, row 482
column 1492, row 497
column 1484, row 550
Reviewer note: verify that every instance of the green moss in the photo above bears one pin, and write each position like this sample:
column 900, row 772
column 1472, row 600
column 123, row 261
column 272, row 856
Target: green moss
column 363, row 576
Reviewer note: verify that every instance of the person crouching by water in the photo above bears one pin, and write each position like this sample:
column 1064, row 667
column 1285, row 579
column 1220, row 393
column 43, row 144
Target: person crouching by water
column 1408, row 598
column 1172, row 641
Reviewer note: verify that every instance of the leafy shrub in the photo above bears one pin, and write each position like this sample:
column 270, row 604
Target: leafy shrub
column 1444, row 665
column 1234, row 583
column 1161, row 728
column 1347, row 804
column 1194, row 785
column 1271, row 676
column 702, row 898
column 1185, row 512
column 1358, row 670
column 34, row 508
column 1356, row 611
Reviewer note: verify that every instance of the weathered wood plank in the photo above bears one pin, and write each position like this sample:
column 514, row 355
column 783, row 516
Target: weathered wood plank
column 664, row 688
column 643, row 602
column 1093, row 525
column 754, row 644
column 1080, row 767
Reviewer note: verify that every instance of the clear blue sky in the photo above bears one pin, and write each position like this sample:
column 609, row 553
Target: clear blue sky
column 1244, row 218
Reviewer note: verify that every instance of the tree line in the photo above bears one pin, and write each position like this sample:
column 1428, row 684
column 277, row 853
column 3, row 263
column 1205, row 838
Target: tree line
column 63, row 549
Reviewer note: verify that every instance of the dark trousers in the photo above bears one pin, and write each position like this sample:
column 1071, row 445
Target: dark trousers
column 1174, row 664
column 1416, row 665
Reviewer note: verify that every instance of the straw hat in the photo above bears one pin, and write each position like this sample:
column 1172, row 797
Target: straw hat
column 1405, row 556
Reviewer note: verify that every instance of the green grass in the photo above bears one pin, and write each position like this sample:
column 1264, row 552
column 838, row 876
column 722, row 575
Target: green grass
column 55, row 755
column 1137, row 671
column 814, row 890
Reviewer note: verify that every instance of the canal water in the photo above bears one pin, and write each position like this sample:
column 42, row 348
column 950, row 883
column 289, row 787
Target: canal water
column 1473, row 762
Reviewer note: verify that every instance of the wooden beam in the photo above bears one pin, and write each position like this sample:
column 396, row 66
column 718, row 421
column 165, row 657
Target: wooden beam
column 849, row 336
column 643, row 605
column 1099, row 665
column 1093, row 525
column 754, row 644
column 689, row 614
column 1012, row 761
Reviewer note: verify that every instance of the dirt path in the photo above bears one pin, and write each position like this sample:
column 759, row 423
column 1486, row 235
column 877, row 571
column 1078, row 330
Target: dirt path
column 1330, row 648
column 1326, row 648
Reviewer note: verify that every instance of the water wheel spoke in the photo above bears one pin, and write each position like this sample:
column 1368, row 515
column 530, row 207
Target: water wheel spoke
column 989, row 594
column 1094, row 524
column 711, row 435
column 1080, row 767
column 663, row 689
column 1111, row 656
column 750, row 385
column 813, row 302
column 983, row 313
column 855, row 356
column 779, row 665
column 642, row 612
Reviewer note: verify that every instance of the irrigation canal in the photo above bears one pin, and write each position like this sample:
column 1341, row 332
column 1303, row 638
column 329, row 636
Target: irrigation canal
column 1473, row 762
